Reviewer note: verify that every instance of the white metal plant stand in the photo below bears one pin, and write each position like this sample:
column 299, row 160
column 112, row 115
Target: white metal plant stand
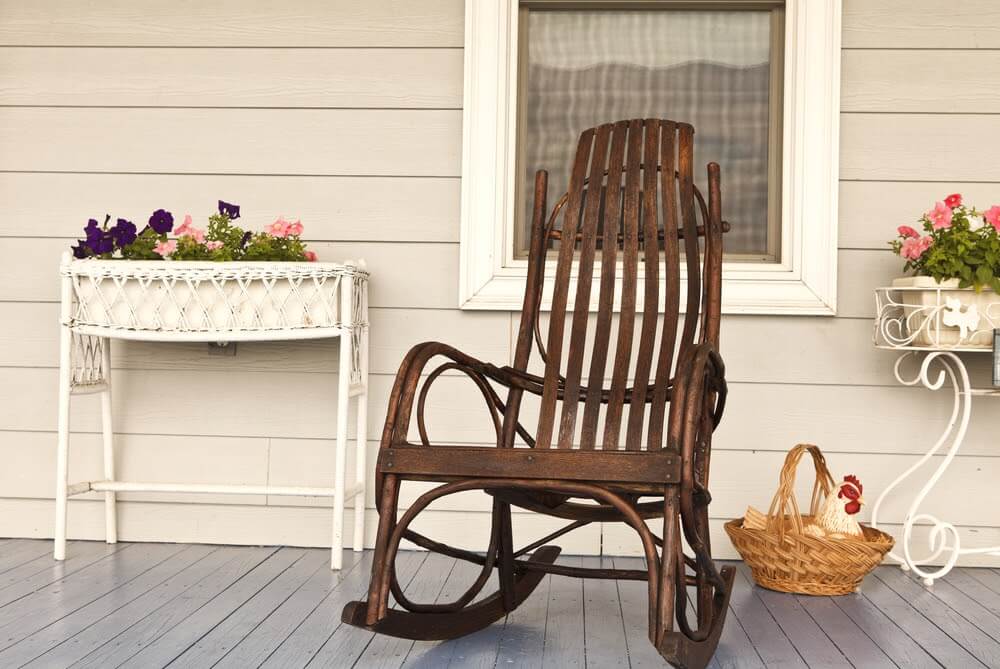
column 175, row 301
column 931, row 326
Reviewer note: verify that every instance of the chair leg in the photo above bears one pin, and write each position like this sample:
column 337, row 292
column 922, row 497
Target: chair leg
column 505, row 554
column 662, row 620
column 378, row 589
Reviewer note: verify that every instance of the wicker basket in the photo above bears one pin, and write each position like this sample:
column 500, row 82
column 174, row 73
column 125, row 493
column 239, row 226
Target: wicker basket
column 782, row 557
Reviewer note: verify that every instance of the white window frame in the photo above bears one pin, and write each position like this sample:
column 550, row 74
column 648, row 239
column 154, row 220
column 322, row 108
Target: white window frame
column 804, row 281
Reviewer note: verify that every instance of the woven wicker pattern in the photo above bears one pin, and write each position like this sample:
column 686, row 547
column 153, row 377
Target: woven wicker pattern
column 782, row 557
column 216, row 298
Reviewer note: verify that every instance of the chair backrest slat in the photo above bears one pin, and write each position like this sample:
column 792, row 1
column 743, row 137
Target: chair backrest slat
column 672, row 276
column 630, row 258
column 557, row 321
column 609, row 253
column 632, row 199
column 651, row 283
column 585, row 275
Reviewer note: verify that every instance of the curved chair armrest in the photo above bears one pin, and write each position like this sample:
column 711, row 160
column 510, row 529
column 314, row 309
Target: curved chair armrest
column 405, row 388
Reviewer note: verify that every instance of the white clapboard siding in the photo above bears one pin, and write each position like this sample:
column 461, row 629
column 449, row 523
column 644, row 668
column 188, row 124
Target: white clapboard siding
column 957, row 82
column 346, row 115
column 921, row 24
column 870, row 211
column 412, row 142
column 392, row 209
column 349, row 78
column 919, row 147
column 233, row 23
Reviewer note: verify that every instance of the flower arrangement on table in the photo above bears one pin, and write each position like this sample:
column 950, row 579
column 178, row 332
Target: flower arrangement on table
column 221, row 241
column 957, row 242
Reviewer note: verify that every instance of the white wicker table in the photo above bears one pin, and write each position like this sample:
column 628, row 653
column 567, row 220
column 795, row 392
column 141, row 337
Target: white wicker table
column 182, row 301
column 915, row 322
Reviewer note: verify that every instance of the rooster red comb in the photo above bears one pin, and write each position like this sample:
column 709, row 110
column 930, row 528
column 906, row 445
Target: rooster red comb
column 853, row 480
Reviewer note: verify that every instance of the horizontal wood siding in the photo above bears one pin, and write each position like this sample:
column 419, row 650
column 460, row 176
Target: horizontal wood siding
column 348, row 116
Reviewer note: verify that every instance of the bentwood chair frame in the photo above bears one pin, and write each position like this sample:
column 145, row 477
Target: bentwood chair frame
column 643, row 215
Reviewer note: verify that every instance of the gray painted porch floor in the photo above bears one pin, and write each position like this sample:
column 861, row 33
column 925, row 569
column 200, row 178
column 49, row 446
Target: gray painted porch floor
column 153, row 605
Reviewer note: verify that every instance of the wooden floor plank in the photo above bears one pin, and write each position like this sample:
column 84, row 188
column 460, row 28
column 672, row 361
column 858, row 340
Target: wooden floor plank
column 170, row 645
column 299, row 647
column 604, row 631
column 912, row 620
column 256, row 646
column 564, row 642
column 221, row 638
column 890, row 638
column 386, row 652
column 60, row 599
column 436, row 654
column 967, row 635
column 808, row 638
column 16, row 552
column 771, row 644
column 522, row 640
column 988, row 577
column 851, row 639
column 173, row 612
column 633, row 600
column 69, row 626
column 346, row 644
column 98, row 633
column 977, row 604
column 79, row 556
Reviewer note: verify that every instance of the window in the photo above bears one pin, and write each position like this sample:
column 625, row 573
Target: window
column 758, row 79
column 718, row 69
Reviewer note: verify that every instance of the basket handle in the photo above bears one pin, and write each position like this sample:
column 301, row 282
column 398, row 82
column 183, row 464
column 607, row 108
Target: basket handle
column 784, row 506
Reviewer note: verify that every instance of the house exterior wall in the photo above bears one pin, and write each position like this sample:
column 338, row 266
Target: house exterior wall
column 348, row 115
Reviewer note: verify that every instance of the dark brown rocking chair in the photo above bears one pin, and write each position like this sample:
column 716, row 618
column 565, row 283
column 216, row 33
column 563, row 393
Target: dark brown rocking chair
column 631, row 196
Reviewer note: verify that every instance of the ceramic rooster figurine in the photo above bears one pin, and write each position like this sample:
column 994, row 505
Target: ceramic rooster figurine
column 836, row 518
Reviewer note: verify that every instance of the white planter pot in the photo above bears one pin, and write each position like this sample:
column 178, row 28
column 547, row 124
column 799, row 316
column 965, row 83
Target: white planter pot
column 188, row 299
column 944, row 315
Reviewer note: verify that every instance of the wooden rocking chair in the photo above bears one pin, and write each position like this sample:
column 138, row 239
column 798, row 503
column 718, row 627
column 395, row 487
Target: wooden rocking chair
column 631, row 196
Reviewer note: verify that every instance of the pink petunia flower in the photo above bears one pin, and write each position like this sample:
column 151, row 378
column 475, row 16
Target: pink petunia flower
column 940, row 215
column 295, row 228
column 954, row 200
column 907, row 231
column 311, row 256
column 280, row 228
column 213, row 245
column 992, row 216
column 186, row 229
column 165, row 248
column 914, row 247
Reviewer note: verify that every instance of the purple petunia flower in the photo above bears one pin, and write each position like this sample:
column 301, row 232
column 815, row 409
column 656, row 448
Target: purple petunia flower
column 246, row 238
column 80, row 250
column 124, row 232
column 161, row 221
column 230, row 210
column 104, row 244
column 92, row 231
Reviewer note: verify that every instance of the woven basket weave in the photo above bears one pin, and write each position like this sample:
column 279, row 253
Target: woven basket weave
column 782, row 557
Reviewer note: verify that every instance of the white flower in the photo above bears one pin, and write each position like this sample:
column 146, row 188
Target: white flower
column 976, row 222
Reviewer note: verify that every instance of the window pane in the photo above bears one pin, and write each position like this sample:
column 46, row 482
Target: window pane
column 710, row 68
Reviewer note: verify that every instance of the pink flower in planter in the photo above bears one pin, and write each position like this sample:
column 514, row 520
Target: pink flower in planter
column 992, row 216
column 907, row 231
column 311, row 256
column 166, row 248
column 940, row 215
column 295, row 228
column 914, row 247
column 280, row 228
column 954, row 200
column 213, row 245
column 186, row 229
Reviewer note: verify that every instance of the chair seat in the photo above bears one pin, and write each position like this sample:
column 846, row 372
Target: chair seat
column 439, row 463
